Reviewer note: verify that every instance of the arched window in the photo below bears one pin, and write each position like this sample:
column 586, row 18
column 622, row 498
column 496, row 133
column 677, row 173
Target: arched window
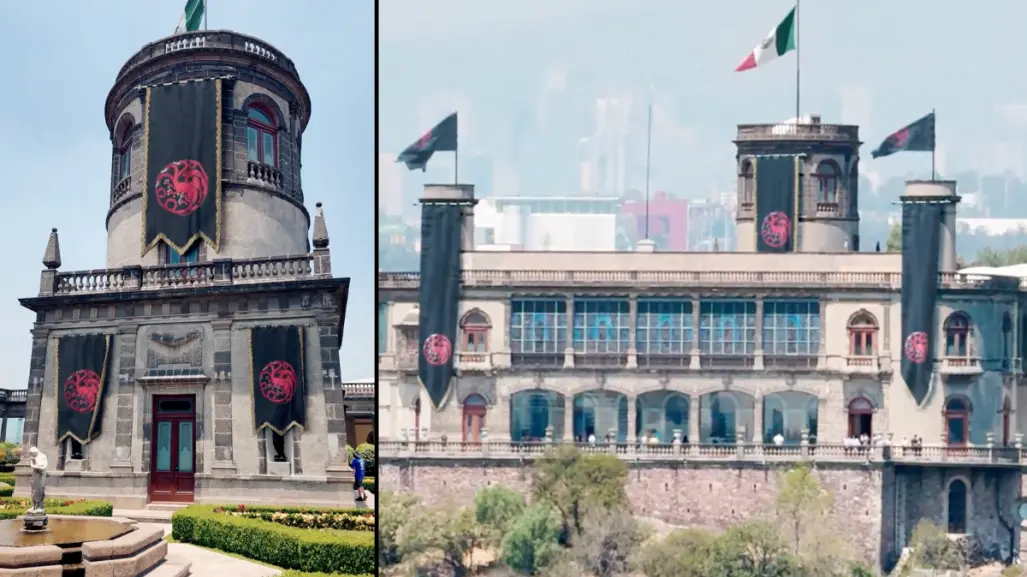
column 169, row 255
column 958, row 504
column 475, row 327
column 261, row 136
column 124, row 148
column 958, row 333
column 862, row 335
column 827, row 182
column 861, row 417
column 957, row 420
column 475, row 408
column 748, row 182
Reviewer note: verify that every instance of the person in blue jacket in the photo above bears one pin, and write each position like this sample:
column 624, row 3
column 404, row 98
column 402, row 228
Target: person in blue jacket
column 358, row 476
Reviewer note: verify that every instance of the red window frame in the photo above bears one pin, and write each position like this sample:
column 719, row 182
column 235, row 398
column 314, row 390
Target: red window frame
column 261, row 129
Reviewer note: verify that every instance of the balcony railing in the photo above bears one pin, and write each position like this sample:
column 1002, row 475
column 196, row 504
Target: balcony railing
column 219, row 272
column 677, row 279
column 811, row 131
column 674, row 452
column 359, row 390
column 13, row 395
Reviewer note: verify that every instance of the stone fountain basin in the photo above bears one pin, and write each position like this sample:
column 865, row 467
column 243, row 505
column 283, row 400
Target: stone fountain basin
column 105, row 546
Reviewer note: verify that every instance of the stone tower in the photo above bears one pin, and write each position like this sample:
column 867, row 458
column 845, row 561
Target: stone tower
column 829, row 175
column 175, row 419
column 265, row 108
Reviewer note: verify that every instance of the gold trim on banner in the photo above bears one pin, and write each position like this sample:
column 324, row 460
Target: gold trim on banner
column 755, row 209
column 449, row 391
column 253, row 392
column 216, row 242
column 99, row 402
column 795, row 205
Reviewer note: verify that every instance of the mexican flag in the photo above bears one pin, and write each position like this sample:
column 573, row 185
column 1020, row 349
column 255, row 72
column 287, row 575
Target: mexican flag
column 192, row 17
column 779, row 42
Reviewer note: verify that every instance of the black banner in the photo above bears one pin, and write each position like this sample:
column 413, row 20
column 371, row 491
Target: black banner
column 921, row 233
column 182, row 136
column 279, row 381
column 917, row 136
column 440, row 296
column 81, row 373
column 777, row 207
column 442, row 137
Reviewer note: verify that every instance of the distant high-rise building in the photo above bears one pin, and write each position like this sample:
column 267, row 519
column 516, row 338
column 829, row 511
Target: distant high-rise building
column 390, row 185
column 477, row 169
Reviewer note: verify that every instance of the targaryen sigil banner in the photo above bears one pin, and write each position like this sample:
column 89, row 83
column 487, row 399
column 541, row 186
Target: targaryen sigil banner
column 921, row 233
column 182, row 155
column 777, row 207
column 279, row 381
column 81, row 373
column 440, row 296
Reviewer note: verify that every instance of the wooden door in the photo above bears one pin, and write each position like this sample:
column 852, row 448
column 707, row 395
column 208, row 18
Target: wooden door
column 173, row 449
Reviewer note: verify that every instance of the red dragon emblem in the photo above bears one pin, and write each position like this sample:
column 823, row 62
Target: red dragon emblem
column 181, row 187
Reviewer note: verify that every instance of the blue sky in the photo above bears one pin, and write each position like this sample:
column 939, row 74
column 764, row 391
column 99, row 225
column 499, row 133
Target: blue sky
column 60, row 59
column 528, row 73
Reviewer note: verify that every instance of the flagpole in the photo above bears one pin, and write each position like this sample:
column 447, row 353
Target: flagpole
column 798, row 46
column 648, row 158
column 205, row 15
column 934, row 143
column 456, row 164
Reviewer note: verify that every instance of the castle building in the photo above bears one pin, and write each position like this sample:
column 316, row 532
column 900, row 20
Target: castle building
column 202, row 363
column 734, row 361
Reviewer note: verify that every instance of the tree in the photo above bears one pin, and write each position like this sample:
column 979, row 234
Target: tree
column 800, row 501
column 991, row 257
column 497, row 508
column 444, row 530
column 895, row 238
column 682, row 553
column 393, row 510
column 574, row 483
column 608, row 542
column 533, row 540
column 753, row 550
column 932, row 549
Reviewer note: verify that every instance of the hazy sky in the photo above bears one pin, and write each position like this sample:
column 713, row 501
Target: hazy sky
column 59, row 60
column 877, row 63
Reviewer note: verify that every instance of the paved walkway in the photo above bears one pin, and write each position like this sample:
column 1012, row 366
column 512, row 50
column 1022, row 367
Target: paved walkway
column 207, row 563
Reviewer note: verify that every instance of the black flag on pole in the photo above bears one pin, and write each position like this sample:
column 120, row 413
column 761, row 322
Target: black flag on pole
column 440, row 296
column 917, row 137
column 776, row 192
column 80, row 376
column 279, row 383
column 921, row 233
column 441, row 138
column 182, row 156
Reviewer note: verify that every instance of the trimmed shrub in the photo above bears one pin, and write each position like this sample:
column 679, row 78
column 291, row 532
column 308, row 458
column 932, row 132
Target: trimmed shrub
column 295, row 573
column 370, row 485
column 7, row 478
column 341, row 519
column 11, row 507
column 324, row 550
column 366, row 451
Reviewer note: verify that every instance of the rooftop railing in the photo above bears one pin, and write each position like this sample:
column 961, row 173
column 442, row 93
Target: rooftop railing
column 209, row 39
column 828, row 452
column 678, row 279
column 193, row 275
column 801, row 131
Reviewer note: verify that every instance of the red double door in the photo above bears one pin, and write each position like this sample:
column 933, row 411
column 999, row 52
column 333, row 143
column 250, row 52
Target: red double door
column 173, row 449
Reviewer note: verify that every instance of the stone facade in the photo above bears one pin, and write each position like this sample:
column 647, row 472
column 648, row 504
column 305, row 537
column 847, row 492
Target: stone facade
column 184, row 329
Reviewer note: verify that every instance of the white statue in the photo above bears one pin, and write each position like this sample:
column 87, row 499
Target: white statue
column 38, row 463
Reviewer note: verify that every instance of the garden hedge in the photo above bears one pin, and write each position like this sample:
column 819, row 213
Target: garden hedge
column 316, row 550
column 11, row 507
column 369, row 485
column 7, row 478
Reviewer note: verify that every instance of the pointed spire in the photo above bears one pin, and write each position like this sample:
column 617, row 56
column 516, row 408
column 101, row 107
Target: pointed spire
column 52, row 256
column 320, row 229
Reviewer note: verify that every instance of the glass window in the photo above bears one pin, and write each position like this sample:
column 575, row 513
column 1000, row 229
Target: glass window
column 192, row 255
column 163, row 446
column 185, row 447
column 261, row 133
column 538, row 326
column 252, row 145
column 175, row 406
column 791, row 328
column 663, row 326
column 601, row 326
column 268, row 149
column 727, row 328
column 125, row 163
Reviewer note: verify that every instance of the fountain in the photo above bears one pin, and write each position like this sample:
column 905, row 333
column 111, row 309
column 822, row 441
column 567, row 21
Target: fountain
column 41, row 545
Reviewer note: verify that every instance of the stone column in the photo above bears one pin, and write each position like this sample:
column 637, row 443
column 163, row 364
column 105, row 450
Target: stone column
column 757, row 418
column 334, row 395
column 696, row 361
column 632, row 420
column 568, row 352
column 884, row 346
column 693, row 419
column 822, row 345
column 224, row 448
column 757, row 361
column 34, row 394
column 568, row 418
column 632, row 332
column 125, row 395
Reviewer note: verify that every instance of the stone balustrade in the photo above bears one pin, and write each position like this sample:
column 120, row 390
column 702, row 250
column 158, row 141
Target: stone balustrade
column 222, row 40
column 800, row 131
column 181, row 276
column 701, row 279
column 359, row 390
column 828, row 452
